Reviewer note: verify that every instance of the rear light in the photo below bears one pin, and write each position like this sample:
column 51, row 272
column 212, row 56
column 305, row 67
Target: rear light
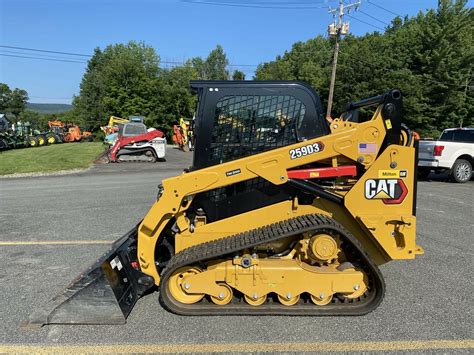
column 438, row 150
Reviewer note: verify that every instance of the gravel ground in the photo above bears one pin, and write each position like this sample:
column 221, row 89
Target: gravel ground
column 429, row 298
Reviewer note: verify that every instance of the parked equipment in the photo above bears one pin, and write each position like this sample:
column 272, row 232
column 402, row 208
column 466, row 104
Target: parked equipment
column 32, row 137
column 56, row 132
column 67, row 132
column 9, row 140
column 182, row 134
column 281, row 213
column 135, row 143
column 113, row 125
column 112, row 128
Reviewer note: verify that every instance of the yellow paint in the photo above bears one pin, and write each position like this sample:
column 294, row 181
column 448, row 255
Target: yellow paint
column 392, row 225
column 356, row 346
column 313, row 174
column 388, row 124
column 251, row 220
column 57, row 242
column 280, row 276
column 271, row 165
column 367, row 220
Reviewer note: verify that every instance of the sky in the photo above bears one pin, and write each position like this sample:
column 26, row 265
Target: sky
column 177, row 29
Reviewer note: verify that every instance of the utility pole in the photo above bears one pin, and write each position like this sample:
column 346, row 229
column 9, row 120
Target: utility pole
column 336, row 30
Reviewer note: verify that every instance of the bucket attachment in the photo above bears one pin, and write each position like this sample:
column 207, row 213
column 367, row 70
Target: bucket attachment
column 103, row 294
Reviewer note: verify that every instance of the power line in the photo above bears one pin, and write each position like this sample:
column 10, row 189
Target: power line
column 90, row 56
column 367, row 23
column 256, row 5
column 39, row 55
column 163, row 65
column 39, row 58
column 46, row 51
column 383, row 8
column 374, row 18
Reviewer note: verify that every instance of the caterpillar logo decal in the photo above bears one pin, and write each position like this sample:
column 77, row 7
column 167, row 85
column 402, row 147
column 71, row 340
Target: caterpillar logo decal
column 390, row 191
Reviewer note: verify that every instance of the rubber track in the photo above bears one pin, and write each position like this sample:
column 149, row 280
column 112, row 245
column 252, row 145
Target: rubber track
column 233, row 244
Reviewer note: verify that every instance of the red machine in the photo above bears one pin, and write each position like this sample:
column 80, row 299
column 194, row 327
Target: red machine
column 134, row 143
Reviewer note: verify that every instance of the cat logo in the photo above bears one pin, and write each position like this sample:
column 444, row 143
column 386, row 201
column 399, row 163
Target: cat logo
column 390, row 191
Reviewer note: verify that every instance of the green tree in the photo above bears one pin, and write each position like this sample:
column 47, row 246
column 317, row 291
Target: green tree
column 37, row 120
column 18, row 100
column 5, row 97
column 214, row 67
column 120, row 81
column 238, row 75
column 173, row 99
column 216, row 64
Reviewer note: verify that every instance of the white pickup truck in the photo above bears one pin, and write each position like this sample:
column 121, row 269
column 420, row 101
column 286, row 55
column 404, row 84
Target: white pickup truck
column 453, row 152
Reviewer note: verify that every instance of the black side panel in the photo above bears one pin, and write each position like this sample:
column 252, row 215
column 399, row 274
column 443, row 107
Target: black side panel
column 242, row 197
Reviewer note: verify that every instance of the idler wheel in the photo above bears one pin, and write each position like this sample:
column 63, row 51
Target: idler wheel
column 182, row 290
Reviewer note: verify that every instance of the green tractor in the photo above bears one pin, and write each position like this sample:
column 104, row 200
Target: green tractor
column 9, row 140
column 5, row 141
column 33, row 136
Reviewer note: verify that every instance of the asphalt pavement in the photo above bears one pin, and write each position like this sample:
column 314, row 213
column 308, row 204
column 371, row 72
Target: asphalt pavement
column 428, row 300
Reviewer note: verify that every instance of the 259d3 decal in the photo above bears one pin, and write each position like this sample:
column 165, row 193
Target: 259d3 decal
column 390, row 191
column 306, row 150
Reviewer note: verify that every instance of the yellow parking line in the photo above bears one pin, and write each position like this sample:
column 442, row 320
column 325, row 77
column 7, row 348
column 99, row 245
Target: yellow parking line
column 244, row 347
column 57, row 242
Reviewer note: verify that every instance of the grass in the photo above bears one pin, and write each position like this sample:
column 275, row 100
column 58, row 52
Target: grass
column 49, row 158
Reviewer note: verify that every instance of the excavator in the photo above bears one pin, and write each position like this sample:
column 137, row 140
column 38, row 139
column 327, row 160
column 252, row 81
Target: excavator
column 281, row 213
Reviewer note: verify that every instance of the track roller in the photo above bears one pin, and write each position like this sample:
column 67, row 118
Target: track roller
column 289, row 300
column 224, row 297
column 322, row 300
column 255, row 300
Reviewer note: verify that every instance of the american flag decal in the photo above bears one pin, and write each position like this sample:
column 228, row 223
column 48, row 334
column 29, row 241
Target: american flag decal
column 367, row 148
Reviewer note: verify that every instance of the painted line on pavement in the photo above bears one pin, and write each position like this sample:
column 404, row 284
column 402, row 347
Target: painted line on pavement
column 56, row 242
column 244, row 347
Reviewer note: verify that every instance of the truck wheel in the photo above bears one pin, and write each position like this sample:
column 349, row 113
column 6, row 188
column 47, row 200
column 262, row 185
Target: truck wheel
column 461, row 171
column 423, row 173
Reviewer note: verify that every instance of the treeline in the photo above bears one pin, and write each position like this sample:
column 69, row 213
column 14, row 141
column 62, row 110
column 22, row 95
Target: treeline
column 126, row 79
column 12, row 102
column 429, row 57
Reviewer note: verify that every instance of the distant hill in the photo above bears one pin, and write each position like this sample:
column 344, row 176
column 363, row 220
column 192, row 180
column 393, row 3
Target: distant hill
column 48, row 108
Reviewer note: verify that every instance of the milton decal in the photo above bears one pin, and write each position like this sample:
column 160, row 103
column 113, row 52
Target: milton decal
column 390, row 191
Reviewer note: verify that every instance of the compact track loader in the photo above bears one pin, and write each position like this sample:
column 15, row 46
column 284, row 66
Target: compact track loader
column 282, row 213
